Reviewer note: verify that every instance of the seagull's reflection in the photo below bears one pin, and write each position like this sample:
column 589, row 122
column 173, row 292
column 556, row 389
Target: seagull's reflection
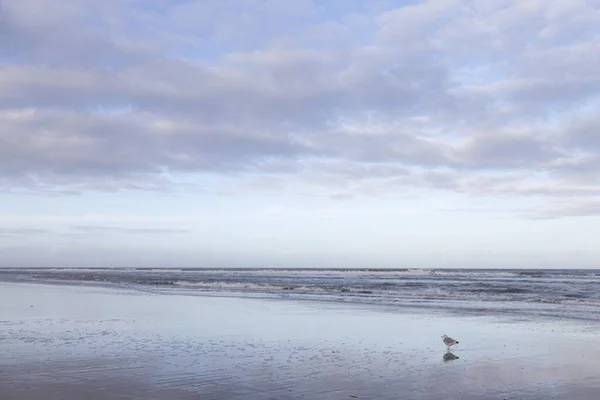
column 448, row 356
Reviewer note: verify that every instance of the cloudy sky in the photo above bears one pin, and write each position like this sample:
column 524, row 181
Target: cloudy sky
column 300, row 133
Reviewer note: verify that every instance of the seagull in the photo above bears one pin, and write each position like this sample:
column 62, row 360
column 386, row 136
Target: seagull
column 448, row 341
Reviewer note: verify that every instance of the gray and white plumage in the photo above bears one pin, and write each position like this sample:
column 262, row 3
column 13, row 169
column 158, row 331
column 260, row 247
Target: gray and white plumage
column 448, row 341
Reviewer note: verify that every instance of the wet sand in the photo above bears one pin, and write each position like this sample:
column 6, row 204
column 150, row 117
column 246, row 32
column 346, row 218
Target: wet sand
column 70, row 342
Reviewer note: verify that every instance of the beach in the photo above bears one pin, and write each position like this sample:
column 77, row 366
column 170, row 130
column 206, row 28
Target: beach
column 72, row 341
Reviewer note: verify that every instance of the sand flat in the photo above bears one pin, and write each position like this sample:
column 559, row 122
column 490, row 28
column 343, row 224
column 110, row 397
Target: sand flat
column 71, row 342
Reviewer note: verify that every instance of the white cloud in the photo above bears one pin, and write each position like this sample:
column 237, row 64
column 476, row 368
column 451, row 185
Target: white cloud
column 439, row 94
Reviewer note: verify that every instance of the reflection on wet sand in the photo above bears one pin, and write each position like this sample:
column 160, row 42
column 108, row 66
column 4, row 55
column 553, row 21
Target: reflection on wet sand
column 97, row 343
column 449, row 356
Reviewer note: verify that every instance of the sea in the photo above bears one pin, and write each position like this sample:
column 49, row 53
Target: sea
column 556, row 293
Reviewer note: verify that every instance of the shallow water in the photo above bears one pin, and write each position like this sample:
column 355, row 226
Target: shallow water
column 551, row 293
column 62, row 342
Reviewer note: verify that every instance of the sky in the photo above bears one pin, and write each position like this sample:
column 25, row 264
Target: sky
column 300, row 133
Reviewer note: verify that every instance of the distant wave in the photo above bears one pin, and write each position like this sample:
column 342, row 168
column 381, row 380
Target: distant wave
column 557, row 293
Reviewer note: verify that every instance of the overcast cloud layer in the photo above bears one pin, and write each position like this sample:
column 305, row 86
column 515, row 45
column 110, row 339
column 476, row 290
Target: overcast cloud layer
column 349, row 98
